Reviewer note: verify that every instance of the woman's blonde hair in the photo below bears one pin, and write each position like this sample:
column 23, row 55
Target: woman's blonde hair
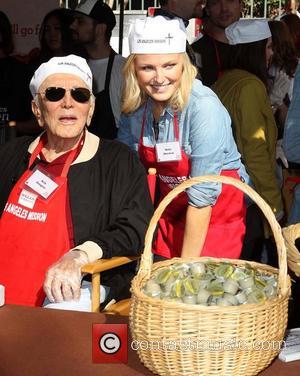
column 133, row 97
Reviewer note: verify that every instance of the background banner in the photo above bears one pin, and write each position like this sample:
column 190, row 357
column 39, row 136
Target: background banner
column 26, row 18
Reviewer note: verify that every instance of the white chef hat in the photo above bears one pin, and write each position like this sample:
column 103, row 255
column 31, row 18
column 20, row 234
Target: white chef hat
column 156, row 35
column 247, row 31
column 71, row 64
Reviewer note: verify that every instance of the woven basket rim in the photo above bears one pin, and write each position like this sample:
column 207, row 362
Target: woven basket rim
column 138, row 283
column 243, row 308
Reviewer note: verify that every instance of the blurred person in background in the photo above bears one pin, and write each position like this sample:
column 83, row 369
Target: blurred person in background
column 15, row 98
column 293, row 23
column 212, row 48
column 183, row 11
column 291, row 145
column 55, row 37
column 281, row 70
column 291, row 7
column 243, row 91
column 92, row 28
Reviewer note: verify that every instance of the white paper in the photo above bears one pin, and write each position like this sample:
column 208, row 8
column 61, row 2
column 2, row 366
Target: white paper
column 2, row 295
column 27, row 199
column 291, row 350
column 41, row 184
column 168, row 151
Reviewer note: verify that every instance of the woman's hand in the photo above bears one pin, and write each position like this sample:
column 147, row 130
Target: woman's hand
column 195, row 231
column 63, row 279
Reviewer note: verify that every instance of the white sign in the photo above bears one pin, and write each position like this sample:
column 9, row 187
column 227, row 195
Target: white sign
column 26, row 18
column 168, row 151
column 27, row 199
column 41, row 183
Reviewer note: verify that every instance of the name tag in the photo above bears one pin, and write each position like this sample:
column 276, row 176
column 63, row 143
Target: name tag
column 27, row 199
column 168, row 151
column 41, row 184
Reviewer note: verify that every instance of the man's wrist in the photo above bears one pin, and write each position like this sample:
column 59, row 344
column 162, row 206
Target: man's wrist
column 81, row 252
column 92, row 249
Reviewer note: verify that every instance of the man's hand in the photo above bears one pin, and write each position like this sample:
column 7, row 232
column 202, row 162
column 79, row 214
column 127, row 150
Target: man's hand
column 63, row 279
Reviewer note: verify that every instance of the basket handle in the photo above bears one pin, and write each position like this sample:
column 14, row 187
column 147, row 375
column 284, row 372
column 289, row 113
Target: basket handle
column 146, row 260
column 290, row 234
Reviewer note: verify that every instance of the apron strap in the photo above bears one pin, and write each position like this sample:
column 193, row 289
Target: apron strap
column 36, row 151
column 69, row 159
column 176, row 126
column 293, row 179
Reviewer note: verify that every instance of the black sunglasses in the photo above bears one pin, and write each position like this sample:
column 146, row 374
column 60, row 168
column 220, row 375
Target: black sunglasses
column 79, row 94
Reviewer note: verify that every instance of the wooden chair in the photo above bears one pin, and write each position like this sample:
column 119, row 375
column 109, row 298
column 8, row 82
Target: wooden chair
column 94, row 269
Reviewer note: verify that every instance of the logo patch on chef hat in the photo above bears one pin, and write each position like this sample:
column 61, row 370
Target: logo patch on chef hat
column 157, row 35
column 70, row 64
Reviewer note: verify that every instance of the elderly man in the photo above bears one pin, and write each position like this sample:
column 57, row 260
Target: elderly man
column 212, row 48
column 67, row 198
column 93, row 24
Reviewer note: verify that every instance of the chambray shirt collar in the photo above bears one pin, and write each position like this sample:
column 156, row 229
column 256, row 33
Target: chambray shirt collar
column 168, row 109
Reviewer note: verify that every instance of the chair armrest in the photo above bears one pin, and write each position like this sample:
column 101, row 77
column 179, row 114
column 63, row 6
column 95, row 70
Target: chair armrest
column 105, row 264
column 95, row 268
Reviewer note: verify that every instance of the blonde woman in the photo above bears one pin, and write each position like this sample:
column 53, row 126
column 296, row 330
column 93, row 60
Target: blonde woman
column 180, row 127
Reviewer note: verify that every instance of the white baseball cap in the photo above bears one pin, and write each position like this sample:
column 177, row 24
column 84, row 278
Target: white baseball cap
column 247, row 31
column 156, row 35
column 70, row 64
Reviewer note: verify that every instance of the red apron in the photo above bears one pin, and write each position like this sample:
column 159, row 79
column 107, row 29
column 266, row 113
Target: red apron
column 293, row 179
column 227, row 225
column 32, row 239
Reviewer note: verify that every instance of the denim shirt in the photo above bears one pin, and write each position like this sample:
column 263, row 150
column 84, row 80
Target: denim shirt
column 291, row 136
column 205, row 135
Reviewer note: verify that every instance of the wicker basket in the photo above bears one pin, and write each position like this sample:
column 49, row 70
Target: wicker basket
column 177, row 339
column 290, row 234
